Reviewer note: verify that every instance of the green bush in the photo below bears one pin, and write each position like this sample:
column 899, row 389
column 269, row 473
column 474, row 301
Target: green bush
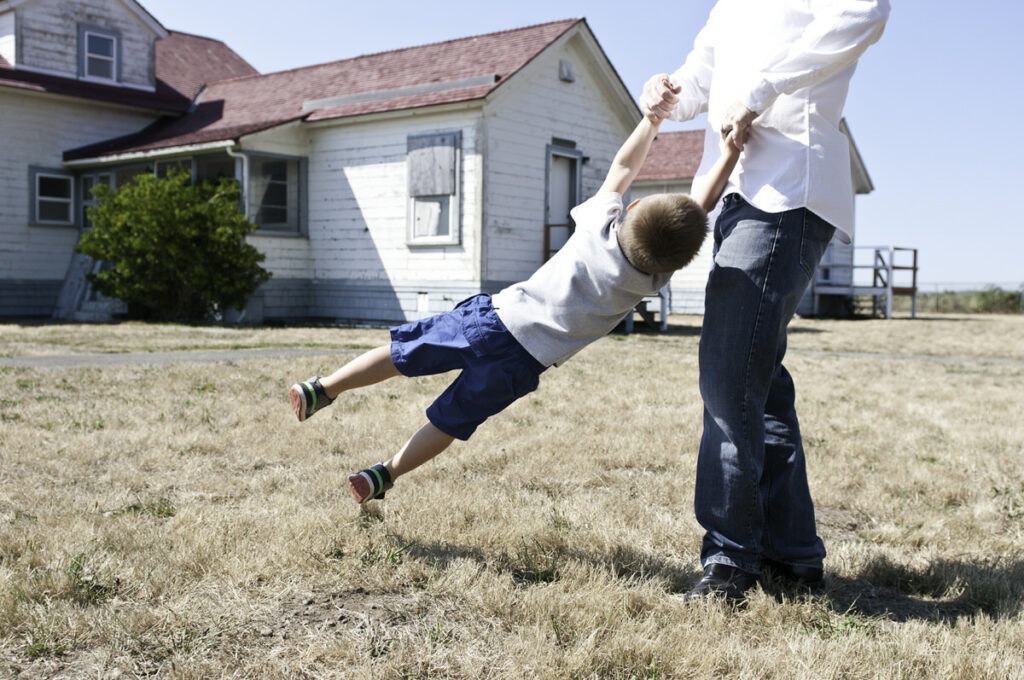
column 990, row 300
column 994, row 299
column 176, row 251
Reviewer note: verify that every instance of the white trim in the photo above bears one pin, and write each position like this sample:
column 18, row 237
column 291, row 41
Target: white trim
column 115, row 40
column 133, row 7
column 178, row 150
column 70, row 201
column 862, row 183
column 243, row 139
column 454, row 235
column 379, row 95
column 397, row 113
column 151, row 22
column 145, row 155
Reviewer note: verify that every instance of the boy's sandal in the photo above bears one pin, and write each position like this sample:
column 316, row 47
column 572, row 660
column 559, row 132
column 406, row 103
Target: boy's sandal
column 308, row 397
column 370, row 483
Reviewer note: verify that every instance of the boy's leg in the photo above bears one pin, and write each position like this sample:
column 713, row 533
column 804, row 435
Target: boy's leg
column 314, row 394
column 421, row 447
column 367, row 369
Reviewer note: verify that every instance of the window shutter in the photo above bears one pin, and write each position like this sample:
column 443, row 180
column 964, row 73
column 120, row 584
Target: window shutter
column 431, row 163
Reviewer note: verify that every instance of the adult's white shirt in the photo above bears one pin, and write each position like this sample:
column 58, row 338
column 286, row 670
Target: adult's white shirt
column 790, row 61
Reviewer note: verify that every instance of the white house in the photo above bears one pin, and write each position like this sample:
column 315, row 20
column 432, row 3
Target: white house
column 670, row 167
column 385, row 187
column 71, row 74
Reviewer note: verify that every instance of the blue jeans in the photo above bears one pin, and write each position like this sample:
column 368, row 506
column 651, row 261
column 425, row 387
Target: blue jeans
column 752, row 496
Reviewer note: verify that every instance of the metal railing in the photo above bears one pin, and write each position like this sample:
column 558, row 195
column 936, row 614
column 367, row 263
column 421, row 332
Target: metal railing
column 884, row 272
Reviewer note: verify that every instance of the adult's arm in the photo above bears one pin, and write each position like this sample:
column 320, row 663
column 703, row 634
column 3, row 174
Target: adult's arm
column 693, row 79
column 837, row 36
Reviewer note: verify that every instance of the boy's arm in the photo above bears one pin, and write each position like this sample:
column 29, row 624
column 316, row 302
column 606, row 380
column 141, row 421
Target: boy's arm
column 709, row 188
column 630, row 157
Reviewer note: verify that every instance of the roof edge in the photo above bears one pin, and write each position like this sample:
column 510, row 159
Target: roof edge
column 406, row 49
column 149, row 153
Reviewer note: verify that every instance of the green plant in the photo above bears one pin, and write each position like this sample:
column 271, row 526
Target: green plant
column 176, row 250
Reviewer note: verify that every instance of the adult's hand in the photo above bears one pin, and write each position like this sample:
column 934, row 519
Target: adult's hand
column 659, row 97
column 737, row 119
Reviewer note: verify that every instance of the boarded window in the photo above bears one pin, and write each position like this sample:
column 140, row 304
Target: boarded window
column 433, row 171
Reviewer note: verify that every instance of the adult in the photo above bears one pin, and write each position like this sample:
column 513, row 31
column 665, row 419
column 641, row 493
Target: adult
column 776, row 71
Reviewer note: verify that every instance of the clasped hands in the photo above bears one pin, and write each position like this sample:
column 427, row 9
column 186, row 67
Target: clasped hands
column 661, row 95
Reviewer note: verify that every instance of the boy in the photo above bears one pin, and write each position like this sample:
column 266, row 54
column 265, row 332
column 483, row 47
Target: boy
column 503, row 344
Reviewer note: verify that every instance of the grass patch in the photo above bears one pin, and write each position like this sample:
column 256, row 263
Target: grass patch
column 197, row 530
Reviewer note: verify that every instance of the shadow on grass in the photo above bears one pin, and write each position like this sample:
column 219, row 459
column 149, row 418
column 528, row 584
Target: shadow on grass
column 535, row 562
column 940, row 592
column 688, row 331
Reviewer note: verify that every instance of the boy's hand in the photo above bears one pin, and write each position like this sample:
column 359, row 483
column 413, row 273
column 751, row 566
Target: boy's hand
column 659, row 97
column 727, row 144
column 737, row 120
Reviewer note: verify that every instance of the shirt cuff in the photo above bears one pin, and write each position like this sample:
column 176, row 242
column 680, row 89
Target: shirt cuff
column 758, row 95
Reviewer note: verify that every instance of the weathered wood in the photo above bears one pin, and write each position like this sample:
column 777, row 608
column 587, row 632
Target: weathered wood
column 48, row 37
column 75, row 287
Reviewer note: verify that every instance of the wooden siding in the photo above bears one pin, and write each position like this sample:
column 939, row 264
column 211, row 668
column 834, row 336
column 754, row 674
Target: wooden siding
column 35, row 130
column 21, row 298
column 358, row 208
column 48, row 37
column 520, row 122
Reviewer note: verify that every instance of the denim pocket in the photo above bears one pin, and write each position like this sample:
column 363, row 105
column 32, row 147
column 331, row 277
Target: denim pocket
column 813, row 241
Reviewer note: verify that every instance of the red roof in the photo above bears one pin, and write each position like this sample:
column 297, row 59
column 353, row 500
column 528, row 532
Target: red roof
column 186, row 62
column 673, row 155
column 445, row 72
column 4, row 63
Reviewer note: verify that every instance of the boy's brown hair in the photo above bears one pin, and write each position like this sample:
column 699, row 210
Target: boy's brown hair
column 663, row 232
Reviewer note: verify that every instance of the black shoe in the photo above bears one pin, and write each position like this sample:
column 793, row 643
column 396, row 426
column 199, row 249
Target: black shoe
column 722, row 581
column 308, row 397
column 795, row 575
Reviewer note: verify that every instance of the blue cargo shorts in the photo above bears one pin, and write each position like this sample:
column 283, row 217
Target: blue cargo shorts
column 496, row 370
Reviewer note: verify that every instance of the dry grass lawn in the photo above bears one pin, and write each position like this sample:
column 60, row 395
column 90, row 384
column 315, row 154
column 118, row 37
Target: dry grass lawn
column 175, row 521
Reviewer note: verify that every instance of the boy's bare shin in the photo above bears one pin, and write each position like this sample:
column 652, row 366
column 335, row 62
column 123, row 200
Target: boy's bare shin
column 367, row 369
column 421, row 447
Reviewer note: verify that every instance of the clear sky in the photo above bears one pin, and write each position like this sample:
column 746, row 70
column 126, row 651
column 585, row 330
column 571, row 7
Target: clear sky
column 945, row 75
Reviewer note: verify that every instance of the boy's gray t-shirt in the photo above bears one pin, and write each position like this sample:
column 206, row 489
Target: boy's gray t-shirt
column 582, row 292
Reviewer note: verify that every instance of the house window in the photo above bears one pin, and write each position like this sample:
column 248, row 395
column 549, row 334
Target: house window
column 88, row 199
column 213, row 168
column 99, row 54
column 274, row 188
column 52, row 197
column 433, row 172
column 165, row 168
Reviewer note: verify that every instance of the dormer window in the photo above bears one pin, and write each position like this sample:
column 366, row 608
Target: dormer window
column 99, row 55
